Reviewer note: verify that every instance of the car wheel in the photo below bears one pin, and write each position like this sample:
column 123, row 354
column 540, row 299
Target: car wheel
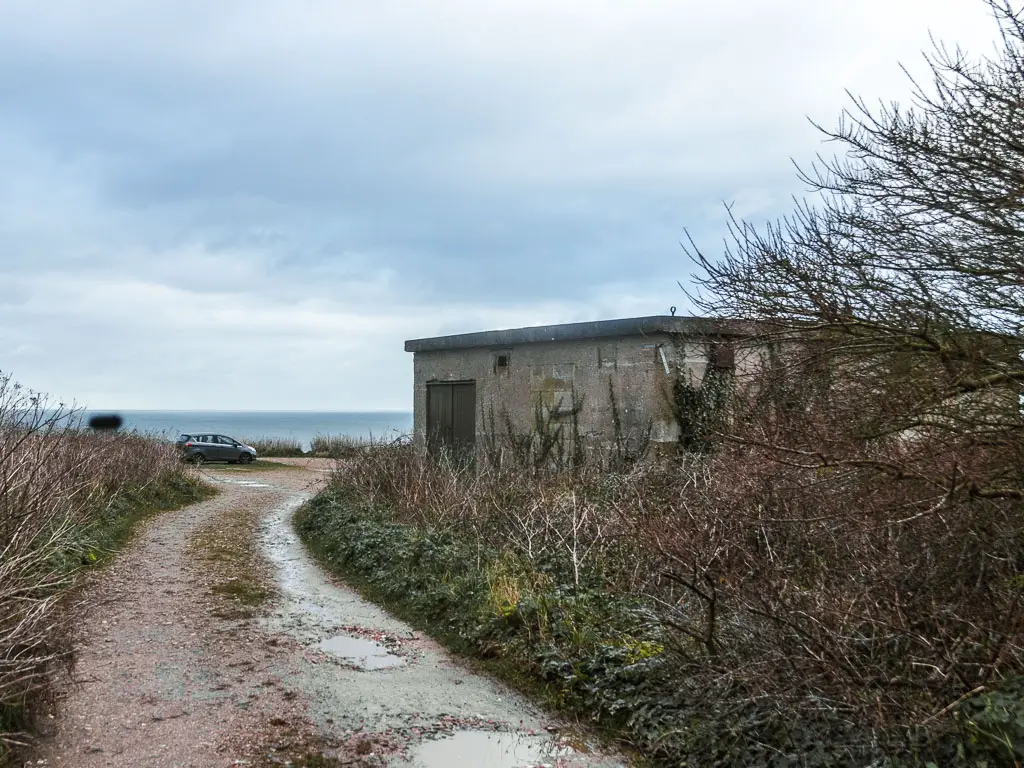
column 198, row 459
column 245, row 458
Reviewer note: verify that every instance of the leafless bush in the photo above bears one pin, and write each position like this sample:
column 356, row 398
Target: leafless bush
column 847, row 542
column 800, row 584
column 875, row 458
column 55, row 479
column 534, row 515
column 276, row 446
column 344, row 446
column 793, row 585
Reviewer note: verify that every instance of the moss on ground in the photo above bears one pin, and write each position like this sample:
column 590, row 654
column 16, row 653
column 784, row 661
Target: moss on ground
column 227, row 550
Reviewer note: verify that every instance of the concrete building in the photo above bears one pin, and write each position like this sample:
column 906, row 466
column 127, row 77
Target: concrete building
column 470, row 386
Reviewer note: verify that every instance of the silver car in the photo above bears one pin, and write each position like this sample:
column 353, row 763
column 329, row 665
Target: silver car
column 210, row 447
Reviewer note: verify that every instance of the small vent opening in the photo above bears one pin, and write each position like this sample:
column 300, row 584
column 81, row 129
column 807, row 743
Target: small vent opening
column 723, row 357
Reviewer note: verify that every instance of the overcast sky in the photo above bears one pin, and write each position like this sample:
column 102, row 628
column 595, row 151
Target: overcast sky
column 251, row 205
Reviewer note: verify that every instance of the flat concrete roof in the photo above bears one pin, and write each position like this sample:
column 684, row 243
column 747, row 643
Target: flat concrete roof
column 599, row 329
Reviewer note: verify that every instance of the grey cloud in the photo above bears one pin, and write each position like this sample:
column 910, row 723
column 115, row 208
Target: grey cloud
column 335, row 176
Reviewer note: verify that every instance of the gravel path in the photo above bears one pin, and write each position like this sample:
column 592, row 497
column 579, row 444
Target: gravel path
column 177, row 667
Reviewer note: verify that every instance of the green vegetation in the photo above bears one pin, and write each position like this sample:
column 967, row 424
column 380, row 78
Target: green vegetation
column 580, row 648
column 111, row 527
column 671, row 606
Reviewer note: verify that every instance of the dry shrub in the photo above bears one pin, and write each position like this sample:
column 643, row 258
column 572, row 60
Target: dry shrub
column 806, row 593
column 345, row 446
column 835, row 586
column 876, row 469
column 845, row 565
column 542, row 516
column 56, row 481
column 276, row 446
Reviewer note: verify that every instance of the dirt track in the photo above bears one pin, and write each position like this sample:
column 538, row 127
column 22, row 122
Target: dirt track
column 213, row 640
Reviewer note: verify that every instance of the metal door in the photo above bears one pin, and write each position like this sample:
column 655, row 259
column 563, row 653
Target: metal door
column 451, row 417
column 439, row 416
column 464, row 417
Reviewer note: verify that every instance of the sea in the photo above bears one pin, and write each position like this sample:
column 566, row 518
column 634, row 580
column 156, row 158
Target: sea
column 302, row 426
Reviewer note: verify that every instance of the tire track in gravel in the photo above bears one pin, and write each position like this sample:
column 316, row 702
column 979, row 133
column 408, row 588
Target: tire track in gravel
column 166, row 675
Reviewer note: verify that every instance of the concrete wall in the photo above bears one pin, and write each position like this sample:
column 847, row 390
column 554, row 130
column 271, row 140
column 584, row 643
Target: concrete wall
column 640, row 368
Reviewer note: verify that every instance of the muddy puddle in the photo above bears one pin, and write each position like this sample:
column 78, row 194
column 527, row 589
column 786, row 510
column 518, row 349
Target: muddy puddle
column 364, row 654
column 494, row 750
column 393, row 682
column 300, row 579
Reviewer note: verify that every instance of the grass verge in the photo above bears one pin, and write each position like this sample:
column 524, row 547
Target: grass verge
column 226, row 547
column 109, row 531
column 90, row 544
column 578, row 650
